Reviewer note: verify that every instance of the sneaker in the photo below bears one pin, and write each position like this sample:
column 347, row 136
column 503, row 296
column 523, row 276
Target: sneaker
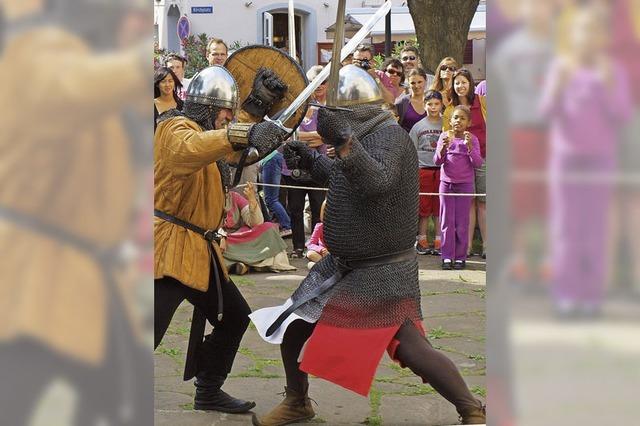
column 436, row 248
column 310, row 265
column 285, row 233
column 446, row 264
column 459, row 264
column 422, row 250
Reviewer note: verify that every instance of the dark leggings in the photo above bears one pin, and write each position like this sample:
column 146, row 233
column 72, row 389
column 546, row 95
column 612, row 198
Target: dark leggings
column 221, row 345
column 414, row 352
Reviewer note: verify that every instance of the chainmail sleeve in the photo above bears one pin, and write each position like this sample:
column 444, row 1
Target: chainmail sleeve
column 377, row 171
column 321, row 169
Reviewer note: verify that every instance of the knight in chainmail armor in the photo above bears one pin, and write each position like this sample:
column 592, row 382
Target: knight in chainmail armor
column 364, row 297
column 191, row 180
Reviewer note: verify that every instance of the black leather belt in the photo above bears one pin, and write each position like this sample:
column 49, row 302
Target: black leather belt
column 344, row 267
column 198, row 321
column 208, row 234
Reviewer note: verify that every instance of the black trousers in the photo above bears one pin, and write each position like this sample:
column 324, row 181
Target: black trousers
column 219, row 348
column 295, row 203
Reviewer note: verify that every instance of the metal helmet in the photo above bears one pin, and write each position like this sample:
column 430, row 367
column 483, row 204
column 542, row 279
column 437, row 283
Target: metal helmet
column 357, row 87
column 214, row 86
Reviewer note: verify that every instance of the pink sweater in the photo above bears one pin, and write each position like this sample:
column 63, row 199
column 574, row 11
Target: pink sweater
column 316, row 241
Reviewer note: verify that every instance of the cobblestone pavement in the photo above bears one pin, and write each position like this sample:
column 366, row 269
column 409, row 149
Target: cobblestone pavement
column 453, row 303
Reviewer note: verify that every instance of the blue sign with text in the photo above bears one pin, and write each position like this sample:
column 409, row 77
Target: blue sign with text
column 201, row 9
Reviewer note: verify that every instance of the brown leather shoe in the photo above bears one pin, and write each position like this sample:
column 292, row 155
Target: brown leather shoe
column 296, row 407
column 474, row 415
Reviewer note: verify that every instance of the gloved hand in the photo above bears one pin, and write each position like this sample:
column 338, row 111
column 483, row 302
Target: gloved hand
column 266, row 137
column 299, row 156
column 333, row 128
column 267, row 89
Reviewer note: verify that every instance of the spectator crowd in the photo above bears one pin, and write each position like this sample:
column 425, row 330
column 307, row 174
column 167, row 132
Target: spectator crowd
column 444, row 114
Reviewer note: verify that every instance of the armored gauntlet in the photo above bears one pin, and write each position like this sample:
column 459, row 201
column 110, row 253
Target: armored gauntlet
column 267, row 89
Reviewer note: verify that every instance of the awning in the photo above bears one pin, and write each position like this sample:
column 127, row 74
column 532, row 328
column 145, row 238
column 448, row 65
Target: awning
column 351, row 26
column 402, row 23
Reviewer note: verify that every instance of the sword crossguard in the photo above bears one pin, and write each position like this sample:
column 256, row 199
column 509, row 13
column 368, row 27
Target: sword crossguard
column 279, row 123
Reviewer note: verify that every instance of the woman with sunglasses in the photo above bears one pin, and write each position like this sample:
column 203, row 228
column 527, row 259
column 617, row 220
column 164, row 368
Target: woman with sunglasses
column 444, row 79
column 391, row 77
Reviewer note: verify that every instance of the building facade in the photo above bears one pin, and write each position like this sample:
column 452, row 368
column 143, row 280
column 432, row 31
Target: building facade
column 241, row 22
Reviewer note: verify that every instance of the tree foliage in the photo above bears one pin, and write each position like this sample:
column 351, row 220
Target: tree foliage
column 195, row 50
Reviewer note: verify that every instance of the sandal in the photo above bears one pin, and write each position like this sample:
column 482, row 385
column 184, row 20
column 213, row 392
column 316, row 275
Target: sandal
column 297, row 254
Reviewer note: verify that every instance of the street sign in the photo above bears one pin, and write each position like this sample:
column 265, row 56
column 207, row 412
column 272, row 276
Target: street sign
column 201, row 9
column 184, row 27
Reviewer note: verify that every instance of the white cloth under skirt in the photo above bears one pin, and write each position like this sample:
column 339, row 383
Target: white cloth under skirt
column 263, row 318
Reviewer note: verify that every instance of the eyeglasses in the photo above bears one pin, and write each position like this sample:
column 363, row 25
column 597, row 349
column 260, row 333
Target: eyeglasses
column 449, row 68
column 408, row 58
column 391, row 71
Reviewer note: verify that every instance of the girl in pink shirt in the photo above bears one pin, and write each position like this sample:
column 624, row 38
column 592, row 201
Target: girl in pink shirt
column 316, row 247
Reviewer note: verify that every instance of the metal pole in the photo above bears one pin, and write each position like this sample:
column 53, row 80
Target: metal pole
column 292, row 44
column 338, row 41
column 292, row 31
column 387, row 35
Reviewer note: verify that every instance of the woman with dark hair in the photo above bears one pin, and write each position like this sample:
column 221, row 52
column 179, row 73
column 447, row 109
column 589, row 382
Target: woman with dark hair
column 165, row 93
column 410, row 108
column 463, row 93
column 391, row 75
column 443, row 81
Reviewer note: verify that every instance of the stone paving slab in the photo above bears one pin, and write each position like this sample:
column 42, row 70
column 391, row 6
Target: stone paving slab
column 453, row 305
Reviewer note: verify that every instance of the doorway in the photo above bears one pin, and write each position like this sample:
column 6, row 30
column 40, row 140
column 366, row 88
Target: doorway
column 281, row 33
column 173, row 15
column 273, row 30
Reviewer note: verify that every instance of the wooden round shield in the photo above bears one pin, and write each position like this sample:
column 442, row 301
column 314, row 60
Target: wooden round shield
column 244, row 64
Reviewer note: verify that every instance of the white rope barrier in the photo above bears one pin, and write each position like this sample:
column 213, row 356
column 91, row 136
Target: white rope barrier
column 311, row 188
column 632, row 179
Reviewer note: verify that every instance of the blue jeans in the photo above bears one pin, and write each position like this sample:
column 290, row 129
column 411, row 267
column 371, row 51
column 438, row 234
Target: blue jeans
column 271, row 173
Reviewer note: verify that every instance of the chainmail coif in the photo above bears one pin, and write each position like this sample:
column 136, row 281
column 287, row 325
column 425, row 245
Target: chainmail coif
column 204, row 115
column 372, row 210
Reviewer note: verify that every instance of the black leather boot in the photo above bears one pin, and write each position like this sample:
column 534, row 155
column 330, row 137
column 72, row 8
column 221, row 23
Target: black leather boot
column 210, row 397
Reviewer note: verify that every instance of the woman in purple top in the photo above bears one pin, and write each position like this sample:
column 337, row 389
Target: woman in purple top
column 410, row 108
column 458, row 154
column 296, row 197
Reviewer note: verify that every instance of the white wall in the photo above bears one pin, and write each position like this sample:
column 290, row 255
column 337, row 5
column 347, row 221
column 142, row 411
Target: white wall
column 232, row 21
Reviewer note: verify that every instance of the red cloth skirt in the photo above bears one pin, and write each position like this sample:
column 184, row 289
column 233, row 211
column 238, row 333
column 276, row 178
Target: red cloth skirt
column 349, row 357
